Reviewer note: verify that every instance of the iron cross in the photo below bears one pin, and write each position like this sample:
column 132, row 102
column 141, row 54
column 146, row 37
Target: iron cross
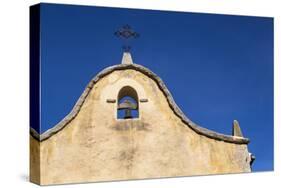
column 126, row 33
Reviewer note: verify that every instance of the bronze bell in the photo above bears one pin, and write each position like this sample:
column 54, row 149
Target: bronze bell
column 128, row 106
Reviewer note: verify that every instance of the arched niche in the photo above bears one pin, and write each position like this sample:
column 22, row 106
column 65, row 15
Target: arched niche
column 127, row 106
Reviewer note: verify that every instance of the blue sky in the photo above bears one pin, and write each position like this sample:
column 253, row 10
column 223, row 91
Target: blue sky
column 217, row 67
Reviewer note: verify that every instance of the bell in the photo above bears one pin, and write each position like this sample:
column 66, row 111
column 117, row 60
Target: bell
column 128, row 106
column 128, row 114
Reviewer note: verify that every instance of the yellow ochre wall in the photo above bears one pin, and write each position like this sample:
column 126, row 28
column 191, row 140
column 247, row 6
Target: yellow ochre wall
column 96, row 146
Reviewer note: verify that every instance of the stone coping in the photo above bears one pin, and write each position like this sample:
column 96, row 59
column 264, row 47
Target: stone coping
column 198, row 129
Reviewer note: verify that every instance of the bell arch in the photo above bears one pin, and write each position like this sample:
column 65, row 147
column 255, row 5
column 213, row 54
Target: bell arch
column 127, row 103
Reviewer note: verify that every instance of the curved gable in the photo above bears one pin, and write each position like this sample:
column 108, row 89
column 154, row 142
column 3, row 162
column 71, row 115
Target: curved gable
column 177, row 111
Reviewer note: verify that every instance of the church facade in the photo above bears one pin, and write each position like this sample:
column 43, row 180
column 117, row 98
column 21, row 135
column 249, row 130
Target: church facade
column 126, row 125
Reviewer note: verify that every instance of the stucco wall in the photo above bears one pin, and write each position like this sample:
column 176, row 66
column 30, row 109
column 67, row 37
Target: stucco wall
column 95, row 146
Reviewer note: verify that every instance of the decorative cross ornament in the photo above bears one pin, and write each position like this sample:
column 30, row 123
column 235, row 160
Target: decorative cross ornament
column 126, row 33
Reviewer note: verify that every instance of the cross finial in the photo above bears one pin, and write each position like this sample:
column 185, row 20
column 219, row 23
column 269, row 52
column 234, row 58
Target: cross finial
column 126, row 33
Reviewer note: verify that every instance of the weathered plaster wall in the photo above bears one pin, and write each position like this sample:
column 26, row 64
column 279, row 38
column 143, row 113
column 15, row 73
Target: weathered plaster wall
column 95, row 146
column 34, row 160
